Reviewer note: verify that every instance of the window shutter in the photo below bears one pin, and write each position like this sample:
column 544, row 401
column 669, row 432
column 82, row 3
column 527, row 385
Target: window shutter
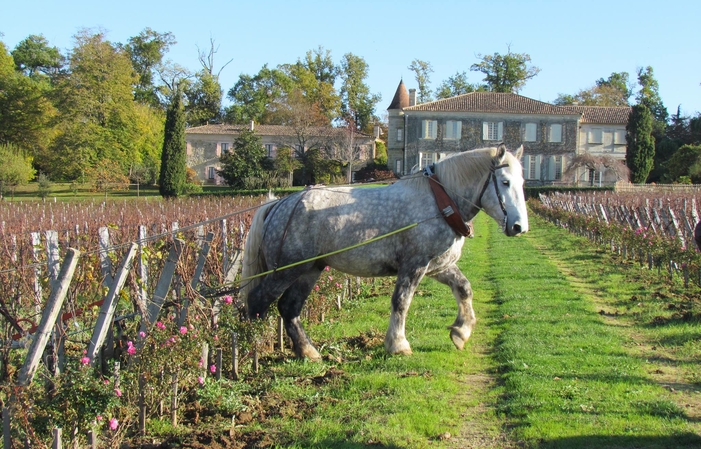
column 551, row 168
column 485, row 130
column 500, row 132
column 538, row 161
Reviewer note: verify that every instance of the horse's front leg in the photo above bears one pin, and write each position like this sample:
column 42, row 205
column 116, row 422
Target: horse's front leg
column 407, row 281
column 461, row 329
column 290, row 307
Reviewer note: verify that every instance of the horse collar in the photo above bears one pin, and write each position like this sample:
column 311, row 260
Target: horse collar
column 449, row 210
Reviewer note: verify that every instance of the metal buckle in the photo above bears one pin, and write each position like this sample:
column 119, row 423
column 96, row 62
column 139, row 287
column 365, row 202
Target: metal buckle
column 448, row 211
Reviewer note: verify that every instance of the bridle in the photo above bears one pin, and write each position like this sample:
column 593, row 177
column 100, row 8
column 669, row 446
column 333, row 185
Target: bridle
column 493, row 177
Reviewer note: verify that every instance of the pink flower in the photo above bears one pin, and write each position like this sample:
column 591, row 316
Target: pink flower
column 327, row 268
column 98, row 417
column 330, row 278
column 183, row 330
column 316, row 288
column 228, row 299
column 213, row 368
column 131, row 350
column 85, row 360
column 107, row 381
column 200, row 379
column 338, row 285
column 160, row 325
column 201, row 363
column 118, row 392
column 142, row 334
column 216, row 338
column 114, row 423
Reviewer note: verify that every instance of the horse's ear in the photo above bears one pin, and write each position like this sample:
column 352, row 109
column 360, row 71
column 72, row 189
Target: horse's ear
column 501, row 151
column 519, row 152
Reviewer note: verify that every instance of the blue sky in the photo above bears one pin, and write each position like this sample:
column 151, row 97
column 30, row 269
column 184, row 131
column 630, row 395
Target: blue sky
column 573, row 43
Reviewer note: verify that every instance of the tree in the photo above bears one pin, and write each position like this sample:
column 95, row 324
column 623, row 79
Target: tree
column 649, row 95
column 203, row 99
column 457, row 85
column 244, row 162
column 146, row 53
column 507, row 73
column 616, row 90
column 686, row 162
column 25, row 110
column 172, row 180
column 640, row 151
column 357, row 103
column 422, row 71
column 255, row 97
column 16, row 168
column 33, row 56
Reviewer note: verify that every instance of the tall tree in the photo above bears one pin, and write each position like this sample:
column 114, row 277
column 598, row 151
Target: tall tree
column 25, row 110
column 422, row 73
column 457, row 85
column 34, row 56
column 16, row 168
column 146, row 52
column 98, row 113
column 203, row 99
column 255, row 97
column 316, row 88
column 506, row 73
column 640, row 151
column 173, row 177
column 649, row 95
column 357, row 103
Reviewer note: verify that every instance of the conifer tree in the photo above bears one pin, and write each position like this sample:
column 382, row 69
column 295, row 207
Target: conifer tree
column 640, row 152
column 174, row 156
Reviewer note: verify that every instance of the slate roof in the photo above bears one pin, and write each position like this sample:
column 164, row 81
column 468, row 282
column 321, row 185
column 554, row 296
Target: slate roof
column 604, row 115
column 494, row 102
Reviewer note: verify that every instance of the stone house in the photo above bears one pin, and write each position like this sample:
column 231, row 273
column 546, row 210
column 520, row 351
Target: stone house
column 552, row 136
column 206, row 144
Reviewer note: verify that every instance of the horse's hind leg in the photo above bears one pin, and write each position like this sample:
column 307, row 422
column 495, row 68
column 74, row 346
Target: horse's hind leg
column 290, row 307
column 461, row 329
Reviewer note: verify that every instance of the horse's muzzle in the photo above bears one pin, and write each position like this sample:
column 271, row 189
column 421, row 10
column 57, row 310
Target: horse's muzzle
column 516, row 229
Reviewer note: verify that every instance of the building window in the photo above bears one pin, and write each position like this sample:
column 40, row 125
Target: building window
column 400, row 134
column 555, row 134
column 558, row 168
column 529, row 134
column 398, row 166
column 429, row 129
column 453, row 129
column 223, row 148
column 595, row 135
column 531, row 168
column 619, row 137
column 492, row 130
column 211, row 172
column 426, row 159
column 269, row 150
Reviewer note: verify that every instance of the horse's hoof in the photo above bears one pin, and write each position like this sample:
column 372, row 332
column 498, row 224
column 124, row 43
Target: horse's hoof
column 459, row 337
column 309, row 353
column 400, row 348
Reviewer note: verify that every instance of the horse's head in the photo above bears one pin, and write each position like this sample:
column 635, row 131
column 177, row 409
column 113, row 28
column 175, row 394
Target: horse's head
column 502, row 194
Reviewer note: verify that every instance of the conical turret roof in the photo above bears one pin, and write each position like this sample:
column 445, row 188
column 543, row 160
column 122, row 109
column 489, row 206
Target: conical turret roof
column 401, row 97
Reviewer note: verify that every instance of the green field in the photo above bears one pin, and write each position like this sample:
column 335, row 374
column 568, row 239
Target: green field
column 573, row 349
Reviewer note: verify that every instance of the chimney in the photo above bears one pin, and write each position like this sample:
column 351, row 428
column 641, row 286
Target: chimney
column 377, row 131
column 253, row 125
column 412, row 97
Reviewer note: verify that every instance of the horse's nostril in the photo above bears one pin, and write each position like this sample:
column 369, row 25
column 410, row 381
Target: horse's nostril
column 517, row 228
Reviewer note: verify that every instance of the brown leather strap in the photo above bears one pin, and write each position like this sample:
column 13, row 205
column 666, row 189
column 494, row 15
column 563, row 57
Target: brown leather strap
column 448, row 208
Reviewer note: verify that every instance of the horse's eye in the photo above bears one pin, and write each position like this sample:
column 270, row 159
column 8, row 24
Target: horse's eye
column 506, row 182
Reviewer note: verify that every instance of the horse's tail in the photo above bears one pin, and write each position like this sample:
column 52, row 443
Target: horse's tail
column 253, row 260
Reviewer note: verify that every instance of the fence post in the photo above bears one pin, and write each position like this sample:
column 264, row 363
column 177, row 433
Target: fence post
column 106, row 315
column 105, row 261
column 142, row 404
column 204, row 251
column 6, row 429
column 154, row 307
column 218, row 363
column 174, row 402
column 57, row 444
column 51, row 313
column 234, row 356
column 143, row 266
column 36, row 246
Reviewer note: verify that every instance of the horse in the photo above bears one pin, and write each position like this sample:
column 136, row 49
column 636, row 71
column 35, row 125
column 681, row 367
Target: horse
column 291, row 241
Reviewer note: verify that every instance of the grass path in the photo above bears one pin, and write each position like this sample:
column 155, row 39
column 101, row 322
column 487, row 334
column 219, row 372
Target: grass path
column 568, row 375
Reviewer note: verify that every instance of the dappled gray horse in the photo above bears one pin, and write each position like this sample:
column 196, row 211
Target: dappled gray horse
column 307, row 230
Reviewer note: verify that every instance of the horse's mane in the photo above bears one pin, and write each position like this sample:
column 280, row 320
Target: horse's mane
column 459, row 168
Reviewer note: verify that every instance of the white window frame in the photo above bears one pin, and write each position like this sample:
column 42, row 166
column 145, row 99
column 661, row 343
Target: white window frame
column 493, row 131
column 532, row 168
column 530, row 132
column 269, row 149
column 398, row 166
column 595, row 135
column 558, row 168
column 400, row 134
column 555, row 133
column 223, row 148
column 429, row 129
column 453, row 129
column 426, row 159
column 211, row 172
